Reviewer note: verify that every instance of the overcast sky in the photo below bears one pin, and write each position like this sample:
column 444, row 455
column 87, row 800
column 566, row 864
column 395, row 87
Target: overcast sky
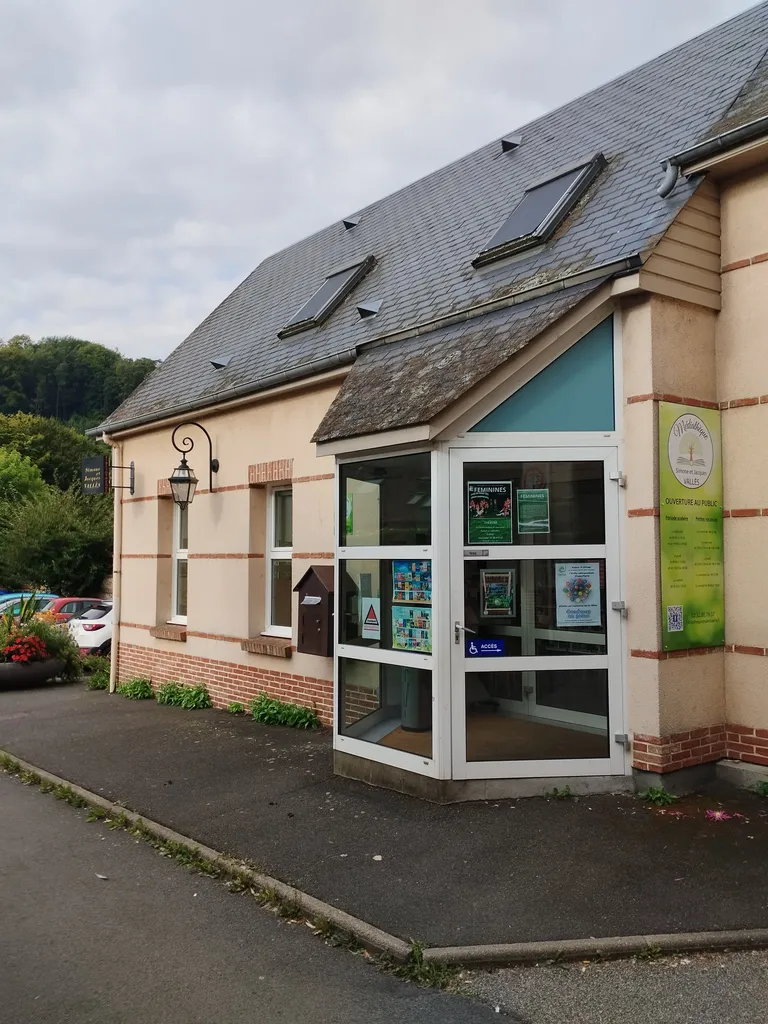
column 152, row 152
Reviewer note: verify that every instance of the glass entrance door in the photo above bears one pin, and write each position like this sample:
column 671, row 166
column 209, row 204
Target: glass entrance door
column 536, row 641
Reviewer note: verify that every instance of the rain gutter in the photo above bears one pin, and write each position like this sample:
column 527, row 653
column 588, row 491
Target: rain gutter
column 673, row 165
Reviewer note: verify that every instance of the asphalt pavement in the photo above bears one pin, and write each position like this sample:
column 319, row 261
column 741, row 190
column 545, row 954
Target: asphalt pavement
column 496, row 871
column 97, row 928
column 704, row 989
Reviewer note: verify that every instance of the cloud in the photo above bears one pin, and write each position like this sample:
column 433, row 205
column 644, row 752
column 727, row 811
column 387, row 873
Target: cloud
column 154, row 153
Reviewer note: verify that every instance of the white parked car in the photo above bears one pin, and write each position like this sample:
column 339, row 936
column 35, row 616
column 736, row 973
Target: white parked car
column 92, row 632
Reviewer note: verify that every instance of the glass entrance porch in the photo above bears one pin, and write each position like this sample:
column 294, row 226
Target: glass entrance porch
column 495, row 652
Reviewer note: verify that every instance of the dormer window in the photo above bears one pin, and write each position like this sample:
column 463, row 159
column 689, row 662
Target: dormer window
column 328, row 296
column 540, row 212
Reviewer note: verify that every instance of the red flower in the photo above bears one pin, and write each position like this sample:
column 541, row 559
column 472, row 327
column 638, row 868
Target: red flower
column 23, row 649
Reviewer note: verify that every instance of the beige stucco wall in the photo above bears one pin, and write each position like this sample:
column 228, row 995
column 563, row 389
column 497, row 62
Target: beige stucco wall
column 742, row 355
column 226, row 595
column 668, row 348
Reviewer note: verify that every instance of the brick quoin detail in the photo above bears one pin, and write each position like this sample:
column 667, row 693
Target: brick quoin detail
column 277, row 471
column 225, row 680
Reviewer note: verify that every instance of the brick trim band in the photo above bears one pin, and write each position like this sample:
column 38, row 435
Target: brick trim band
column 636, row 512
column 144, row 497
column 689, row 652
column 313, row 554
column 309, row 479
column 132, row 554
column 760, row 652
column 225, row 554
column 749, row 261
column 744, row 513
column 657, row 396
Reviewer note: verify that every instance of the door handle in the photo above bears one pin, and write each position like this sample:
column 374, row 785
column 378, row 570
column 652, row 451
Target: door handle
column 458, row 629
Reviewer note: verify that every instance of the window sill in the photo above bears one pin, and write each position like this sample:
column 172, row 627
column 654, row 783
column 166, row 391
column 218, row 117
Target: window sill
column 281, row 632
column 273, row 646
column 170, row 631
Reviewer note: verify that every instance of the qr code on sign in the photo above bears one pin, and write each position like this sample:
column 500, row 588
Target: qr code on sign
column 674, row 618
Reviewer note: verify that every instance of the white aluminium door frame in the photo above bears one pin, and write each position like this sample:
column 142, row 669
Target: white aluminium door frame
column 615, row 763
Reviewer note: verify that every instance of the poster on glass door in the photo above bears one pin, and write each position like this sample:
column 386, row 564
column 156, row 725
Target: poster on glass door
column 577, row 594
column 489, row 512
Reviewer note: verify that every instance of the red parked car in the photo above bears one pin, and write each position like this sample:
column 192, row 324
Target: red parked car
column 65, row 608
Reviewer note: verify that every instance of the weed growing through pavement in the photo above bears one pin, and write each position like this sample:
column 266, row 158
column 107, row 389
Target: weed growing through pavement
column 181, row 696
column 560, row 794
column 270, row 711
column 658, row 796
column 96, row 672
column 650, row 953
column 136, row 689
column 431, row 973
column 239, row 877
column 761, row 788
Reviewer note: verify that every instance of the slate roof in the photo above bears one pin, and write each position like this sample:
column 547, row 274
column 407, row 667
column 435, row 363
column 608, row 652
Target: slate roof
column 425, row 236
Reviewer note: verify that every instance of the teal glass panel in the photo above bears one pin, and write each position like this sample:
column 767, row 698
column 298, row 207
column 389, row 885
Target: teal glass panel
column 575, row 392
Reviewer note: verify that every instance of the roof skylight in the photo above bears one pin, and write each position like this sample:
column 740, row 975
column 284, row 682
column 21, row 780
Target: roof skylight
column 328, row 296
column 539, row 213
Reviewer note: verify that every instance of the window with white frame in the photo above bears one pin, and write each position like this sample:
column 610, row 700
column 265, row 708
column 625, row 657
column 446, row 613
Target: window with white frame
column 279, row 561
column 385, row 626
column 179, row 557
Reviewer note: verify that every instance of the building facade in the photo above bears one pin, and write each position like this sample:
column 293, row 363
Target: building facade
column 482, row 436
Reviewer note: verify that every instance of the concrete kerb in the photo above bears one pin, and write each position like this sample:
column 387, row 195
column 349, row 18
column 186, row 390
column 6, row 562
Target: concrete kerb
column 373, row 939
column 378, row 941
column 504, row 954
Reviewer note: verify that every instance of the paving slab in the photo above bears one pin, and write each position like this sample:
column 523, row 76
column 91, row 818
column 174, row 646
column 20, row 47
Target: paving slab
column 490, row 872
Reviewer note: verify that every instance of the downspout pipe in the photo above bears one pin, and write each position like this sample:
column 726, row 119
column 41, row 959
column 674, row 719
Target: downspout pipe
column 117, row 566
column 673, row 165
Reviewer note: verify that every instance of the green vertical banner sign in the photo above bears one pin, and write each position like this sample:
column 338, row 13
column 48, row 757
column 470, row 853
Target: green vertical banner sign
column 691, row 527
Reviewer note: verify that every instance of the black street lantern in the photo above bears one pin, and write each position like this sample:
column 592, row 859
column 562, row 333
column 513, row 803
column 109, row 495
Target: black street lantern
column 183, row 480
column 183, row 483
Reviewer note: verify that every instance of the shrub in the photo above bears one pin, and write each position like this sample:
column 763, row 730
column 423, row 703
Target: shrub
column 270, row 711
column 136, row 689
column 235, row 708
column 97, row 672
column 177, row 695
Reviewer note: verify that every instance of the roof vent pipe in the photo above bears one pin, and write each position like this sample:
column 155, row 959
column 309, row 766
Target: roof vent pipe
column 670, row 178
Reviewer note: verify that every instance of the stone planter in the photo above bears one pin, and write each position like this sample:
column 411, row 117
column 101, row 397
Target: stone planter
column 13, row 674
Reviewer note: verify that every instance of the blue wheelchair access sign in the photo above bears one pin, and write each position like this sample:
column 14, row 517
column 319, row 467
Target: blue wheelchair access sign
column 475, row 648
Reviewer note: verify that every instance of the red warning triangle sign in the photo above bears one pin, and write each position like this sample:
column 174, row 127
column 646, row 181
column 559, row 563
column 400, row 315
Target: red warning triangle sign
column 370, row 618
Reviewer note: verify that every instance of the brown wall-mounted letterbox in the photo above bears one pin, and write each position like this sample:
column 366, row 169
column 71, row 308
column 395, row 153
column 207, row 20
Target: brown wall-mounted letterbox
column 315, row 590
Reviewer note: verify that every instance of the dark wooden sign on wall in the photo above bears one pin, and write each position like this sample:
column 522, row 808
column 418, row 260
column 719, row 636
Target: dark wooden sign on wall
column 94, row 475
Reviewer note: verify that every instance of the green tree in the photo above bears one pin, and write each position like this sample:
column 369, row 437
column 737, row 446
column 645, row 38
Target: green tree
column 66, row 378
column 56, row 449
column 56, row 540
column 19, row 476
